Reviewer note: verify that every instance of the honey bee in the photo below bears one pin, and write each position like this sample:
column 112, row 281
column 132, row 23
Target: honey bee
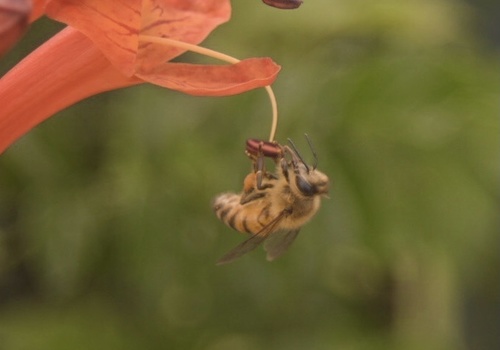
column 272, row 206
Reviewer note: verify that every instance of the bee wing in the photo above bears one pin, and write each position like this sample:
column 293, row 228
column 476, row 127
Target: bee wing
column 279, row 242
column 251, row 243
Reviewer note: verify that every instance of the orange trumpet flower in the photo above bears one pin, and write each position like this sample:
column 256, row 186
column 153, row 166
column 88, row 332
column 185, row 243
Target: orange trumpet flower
column 111, row 44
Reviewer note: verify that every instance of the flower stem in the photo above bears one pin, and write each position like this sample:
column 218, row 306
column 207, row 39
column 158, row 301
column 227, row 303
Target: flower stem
column 220, row 56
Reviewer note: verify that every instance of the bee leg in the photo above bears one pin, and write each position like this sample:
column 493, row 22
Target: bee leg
column 284, row 169
column 249, row 197
column 250, row 192
column 249, row 183
column 260, row 171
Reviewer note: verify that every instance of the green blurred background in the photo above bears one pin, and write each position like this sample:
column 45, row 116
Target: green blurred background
column 108, row 240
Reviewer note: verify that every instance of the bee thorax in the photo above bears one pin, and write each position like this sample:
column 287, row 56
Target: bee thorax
column 301, row 212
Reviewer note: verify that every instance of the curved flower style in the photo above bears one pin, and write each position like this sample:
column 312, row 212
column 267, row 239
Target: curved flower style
column 107, row 45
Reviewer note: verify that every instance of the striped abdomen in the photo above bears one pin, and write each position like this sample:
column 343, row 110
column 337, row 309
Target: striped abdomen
column 250, row 217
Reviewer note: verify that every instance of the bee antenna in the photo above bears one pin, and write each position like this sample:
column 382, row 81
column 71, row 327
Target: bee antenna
column 298, row 154
column 313, row 151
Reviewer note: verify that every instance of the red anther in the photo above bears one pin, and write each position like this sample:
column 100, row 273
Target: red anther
column 268, row 149
column 283, row 4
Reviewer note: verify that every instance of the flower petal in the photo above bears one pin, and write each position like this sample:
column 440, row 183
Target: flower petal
column 38, row 10
column 188, row 21
column 14, row 16
column 114, row 26
column 64, row 70
column 211, row 80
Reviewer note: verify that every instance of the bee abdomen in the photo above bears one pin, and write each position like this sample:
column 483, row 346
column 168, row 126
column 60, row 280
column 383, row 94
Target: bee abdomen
column 228, row 209
column 224, row 204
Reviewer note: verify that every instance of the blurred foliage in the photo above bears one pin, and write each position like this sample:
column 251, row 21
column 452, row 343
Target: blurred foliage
column 108, row 241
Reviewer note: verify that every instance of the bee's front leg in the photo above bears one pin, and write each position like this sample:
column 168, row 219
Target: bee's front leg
column 260, row 171
column 284, row 169
column 249, row 197
column 250, row 191
column 254, row 185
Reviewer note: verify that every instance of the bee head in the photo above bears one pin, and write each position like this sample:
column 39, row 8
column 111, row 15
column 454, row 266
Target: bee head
column 308, row 180
column 312, row 183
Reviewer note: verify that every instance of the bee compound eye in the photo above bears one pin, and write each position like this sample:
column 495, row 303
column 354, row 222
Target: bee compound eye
column 305, row 187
